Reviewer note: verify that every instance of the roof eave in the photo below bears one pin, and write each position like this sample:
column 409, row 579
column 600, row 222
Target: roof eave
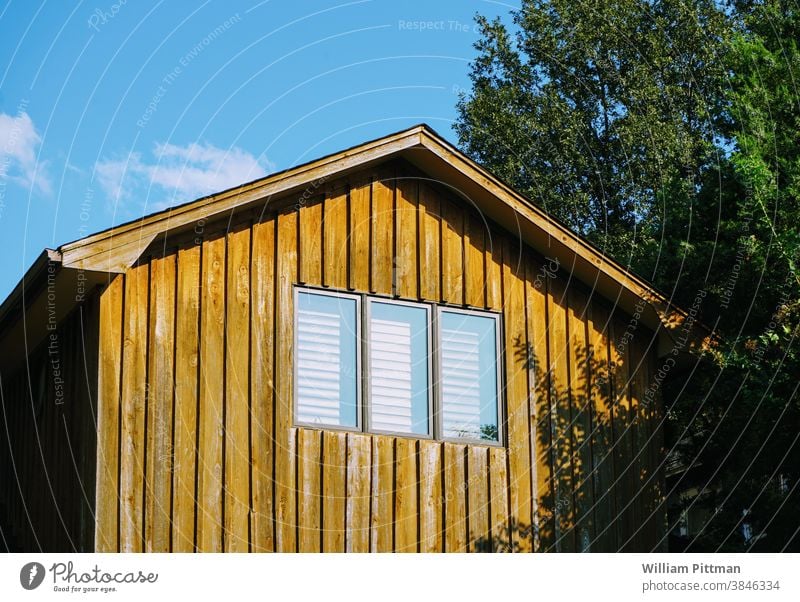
column 114, row 250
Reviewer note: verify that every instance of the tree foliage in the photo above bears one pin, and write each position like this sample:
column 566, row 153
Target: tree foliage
column 668, row 132
column 595, row 108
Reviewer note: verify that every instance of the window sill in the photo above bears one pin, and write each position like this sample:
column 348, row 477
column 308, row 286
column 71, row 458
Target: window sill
column 343, row 429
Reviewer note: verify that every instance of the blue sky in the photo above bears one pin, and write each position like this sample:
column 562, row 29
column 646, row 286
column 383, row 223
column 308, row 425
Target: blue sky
column 110, row 110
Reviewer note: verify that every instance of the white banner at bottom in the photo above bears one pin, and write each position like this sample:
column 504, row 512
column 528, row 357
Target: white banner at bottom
column 596, row 577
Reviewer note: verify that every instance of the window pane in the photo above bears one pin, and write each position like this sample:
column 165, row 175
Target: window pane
column 398, row 368
column 327, row 379
column 469, row 376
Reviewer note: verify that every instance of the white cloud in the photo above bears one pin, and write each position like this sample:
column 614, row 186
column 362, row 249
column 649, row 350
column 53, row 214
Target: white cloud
column 178, row 173
column 19, row 141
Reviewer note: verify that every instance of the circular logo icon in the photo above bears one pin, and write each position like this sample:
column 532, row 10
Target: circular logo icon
column 31, row 575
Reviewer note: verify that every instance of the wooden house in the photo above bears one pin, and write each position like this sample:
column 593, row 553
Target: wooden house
column 386, row 349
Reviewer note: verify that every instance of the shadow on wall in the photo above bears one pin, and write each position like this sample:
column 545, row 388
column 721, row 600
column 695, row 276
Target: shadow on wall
column 597, row 443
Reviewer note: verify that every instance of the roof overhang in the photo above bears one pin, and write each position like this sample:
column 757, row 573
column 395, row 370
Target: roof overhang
column 116, row 249
column 46, row 294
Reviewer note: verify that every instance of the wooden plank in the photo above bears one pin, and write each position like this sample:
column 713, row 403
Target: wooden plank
column 284, row 454
column 538, row 383
column 110, row 519
column 310, row 246
column 237, row 393
column 561, row 419
column 335, row 237
column 452, row 253
column 518, row 408
column 478, row 495
column 89, row 468
column 455, row 535
column 406, row 277
column 405, row 509
column 108, row 416
column 161, row 349
column 334, row 480
column 31, row 462
column 623, row 434
column 582, row 468
column 637, row 360
column 360, row 193
column 648, row 412
column 134, row 386
column 6, row 469
column 475, row 262
column 494, row 270
column 212, row 391
column 262, row 317
column 660, row 454
column 80, row 431
column 186, row 399
column 498, row 501
column 359, row 471
column 309, row 448
column 44, row 428
column 24, row 460
column 382, row 221
column 69, row 488
column 602, row 431
column 381, row 539
column 429, row 243
column 18, row 517
column 431, row 499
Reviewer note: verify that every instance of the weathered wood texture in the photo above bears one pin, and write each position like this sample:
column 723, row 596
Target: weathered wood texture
column 216, row 463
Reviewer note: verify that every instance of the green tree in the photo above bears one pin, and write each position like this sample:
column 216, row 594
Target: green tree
column 744, row 443
column 667, row 132
column 594, row 109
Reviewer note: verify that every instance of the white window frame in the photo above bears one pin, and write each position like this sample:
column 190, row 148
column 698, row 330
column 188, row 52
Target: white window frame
column 359, row 427
column 363, row 402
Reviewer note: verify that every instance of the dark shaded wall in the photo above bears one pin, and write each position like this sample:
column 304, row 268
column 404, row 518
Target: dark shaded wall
column 48, row 440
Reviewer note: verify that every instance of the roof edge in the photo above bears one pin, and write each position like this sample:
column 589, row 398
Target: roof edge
column 17, row 297
column 251, row 186
column 115, row 248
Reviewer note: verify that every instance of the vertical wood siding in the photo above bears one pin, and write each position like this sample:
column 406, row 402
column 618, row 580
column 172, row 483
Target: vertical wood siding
column 208, row 458
column 47, row 441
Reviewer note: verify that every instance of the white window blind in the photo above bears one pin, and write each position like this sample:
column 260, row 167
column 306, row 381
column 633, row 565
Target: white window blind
column 461, row 392
column 398, row 368
column 326, row 380
column 469, row 396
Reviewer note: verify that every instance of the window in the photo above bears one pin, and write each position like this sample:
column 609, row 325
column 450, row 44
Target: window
column 399, row 375
column 468, row 377
column 327, row 378
column 396, row 389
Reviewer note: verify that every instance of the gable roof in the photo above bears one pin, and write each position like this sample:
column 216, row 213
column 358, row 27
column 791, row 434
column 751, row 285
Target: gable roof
column 115, row 249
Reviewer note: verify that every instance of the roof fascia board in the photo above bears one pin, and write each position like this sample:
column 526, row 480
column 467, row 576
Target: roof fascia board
column 99, row 251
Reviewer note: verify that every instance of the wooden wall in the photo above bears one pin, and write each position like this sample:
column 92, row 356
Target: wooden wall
column 197, row 450
column 47, row 441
